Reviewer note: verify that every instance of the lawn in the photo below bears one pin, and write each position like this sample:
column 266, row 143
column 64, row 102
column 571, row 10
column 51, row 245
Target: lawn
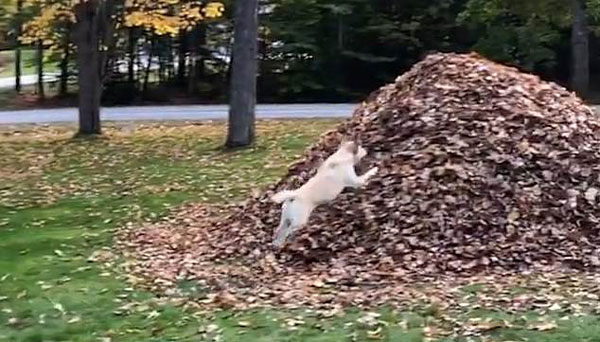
column 28, row 63
column 61, row 200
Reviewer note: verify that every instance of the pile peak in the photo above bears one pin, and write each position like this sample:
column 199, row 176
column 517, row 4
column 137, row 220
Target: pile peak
column 483, row 169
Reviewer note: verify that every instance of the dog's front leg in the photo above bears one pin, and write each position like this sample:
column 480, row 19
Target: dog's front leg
column 282, row 232
column 356, row 181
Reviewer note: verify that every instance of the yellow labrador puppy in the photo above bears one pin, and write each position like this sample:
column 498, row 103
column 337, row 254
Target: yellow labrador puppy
column 335, row 174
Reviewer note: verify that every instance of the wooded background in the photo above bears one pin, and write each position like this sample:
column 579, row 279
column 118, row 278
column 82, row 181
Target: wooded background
column 309, row 50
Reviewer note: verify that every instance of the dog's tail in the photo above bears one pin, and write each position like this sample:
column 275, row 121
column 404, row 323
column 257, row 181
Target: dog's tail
column 283, row 196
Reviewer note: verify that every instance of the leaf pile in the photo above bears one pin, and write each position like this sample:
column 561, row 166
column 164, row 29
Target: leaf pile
column 483, row 169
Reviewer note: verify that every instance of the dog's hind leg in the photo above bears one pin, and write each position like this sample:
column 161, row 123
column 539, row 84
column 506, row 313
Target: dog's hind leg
column 300, row 214
column 295, row 215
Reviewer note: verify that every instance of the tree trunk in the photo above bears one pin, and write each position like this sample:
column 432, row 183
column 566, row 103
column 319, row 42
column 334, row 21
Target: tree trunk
column 64, row 70
column 161, row 69
column 202, row 53
column 340, row 32
column 228, row 70
column 105, row 33
column 242, row 101
column 194, row 55
column 181, row 61
column 88, row 63
column 131, row 56
column 191, row 84
column 40, row 70
column 170, row 60
column 18, row 30
column 580, row 77
column 197, row 57
column 148, row 67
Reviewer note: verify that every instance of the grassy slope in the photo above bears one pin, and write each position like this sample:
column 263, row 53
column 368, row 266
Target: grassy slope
column 61, row 199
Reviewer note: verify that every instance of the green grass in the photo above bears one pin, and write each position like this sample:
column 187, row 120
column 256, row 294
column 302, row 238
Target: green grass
column 61, row 200
column 28, row 63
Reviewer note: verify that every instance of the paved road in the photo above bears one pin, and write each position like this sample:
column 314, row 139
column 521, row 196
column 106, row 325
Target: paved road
column 171, row 113
column 181, row 113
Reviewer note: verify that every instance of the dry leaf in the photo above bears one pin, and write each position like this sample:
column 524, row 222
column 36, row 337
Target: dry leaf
column 543, row 326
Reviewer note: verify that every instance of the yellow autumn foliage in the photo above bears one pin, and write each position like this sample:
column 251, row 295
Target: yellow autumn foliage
column 214, row 10
column 163, row 17
column 40, row 28
column 161, row 24
column 170, row 16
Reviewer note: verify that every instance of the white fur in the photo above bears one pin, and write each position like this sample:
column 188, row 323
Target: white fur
column 333, row 176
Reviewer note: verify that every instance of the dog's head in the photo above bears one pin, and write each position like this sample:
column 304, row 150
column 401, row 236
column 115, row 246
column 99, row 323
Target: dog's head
column 352, row 147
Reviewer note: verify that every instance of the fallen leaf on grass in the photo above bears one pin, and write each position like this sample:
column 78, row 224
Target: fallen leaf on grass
column 81, row 269
column 318, row 283
column 153, row 314
column 543, row 326
column 370, row 318
column 375, row 334
column 434, row 332
column 244, row 324
column 46, row 286
column 293, row 322
column 479, row 326
column 555, row 307
column 75, row 319
column 100, row 256
column 64, row 280
column 59, row 307
column 209, row 328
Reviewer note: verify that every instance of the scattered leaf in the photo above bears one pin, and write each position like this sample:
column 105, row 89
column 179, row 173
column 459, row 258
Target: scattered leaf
column 543, row 326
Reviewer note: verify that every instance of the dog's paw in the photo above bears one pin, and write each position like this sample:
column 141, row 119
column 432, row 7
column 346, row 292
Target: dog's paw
column 277, row 244
column 278, row 240
column 372, row 172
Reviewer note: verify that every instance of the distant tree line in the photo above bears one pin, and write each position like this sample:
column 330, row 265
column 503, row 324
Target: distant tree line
column 309, row 50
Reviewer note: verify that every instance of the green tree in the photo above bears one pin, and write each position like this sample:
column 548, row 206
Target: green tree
column 94, row 25
column 532, row 33
column 7, row 8
column 340, row 50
